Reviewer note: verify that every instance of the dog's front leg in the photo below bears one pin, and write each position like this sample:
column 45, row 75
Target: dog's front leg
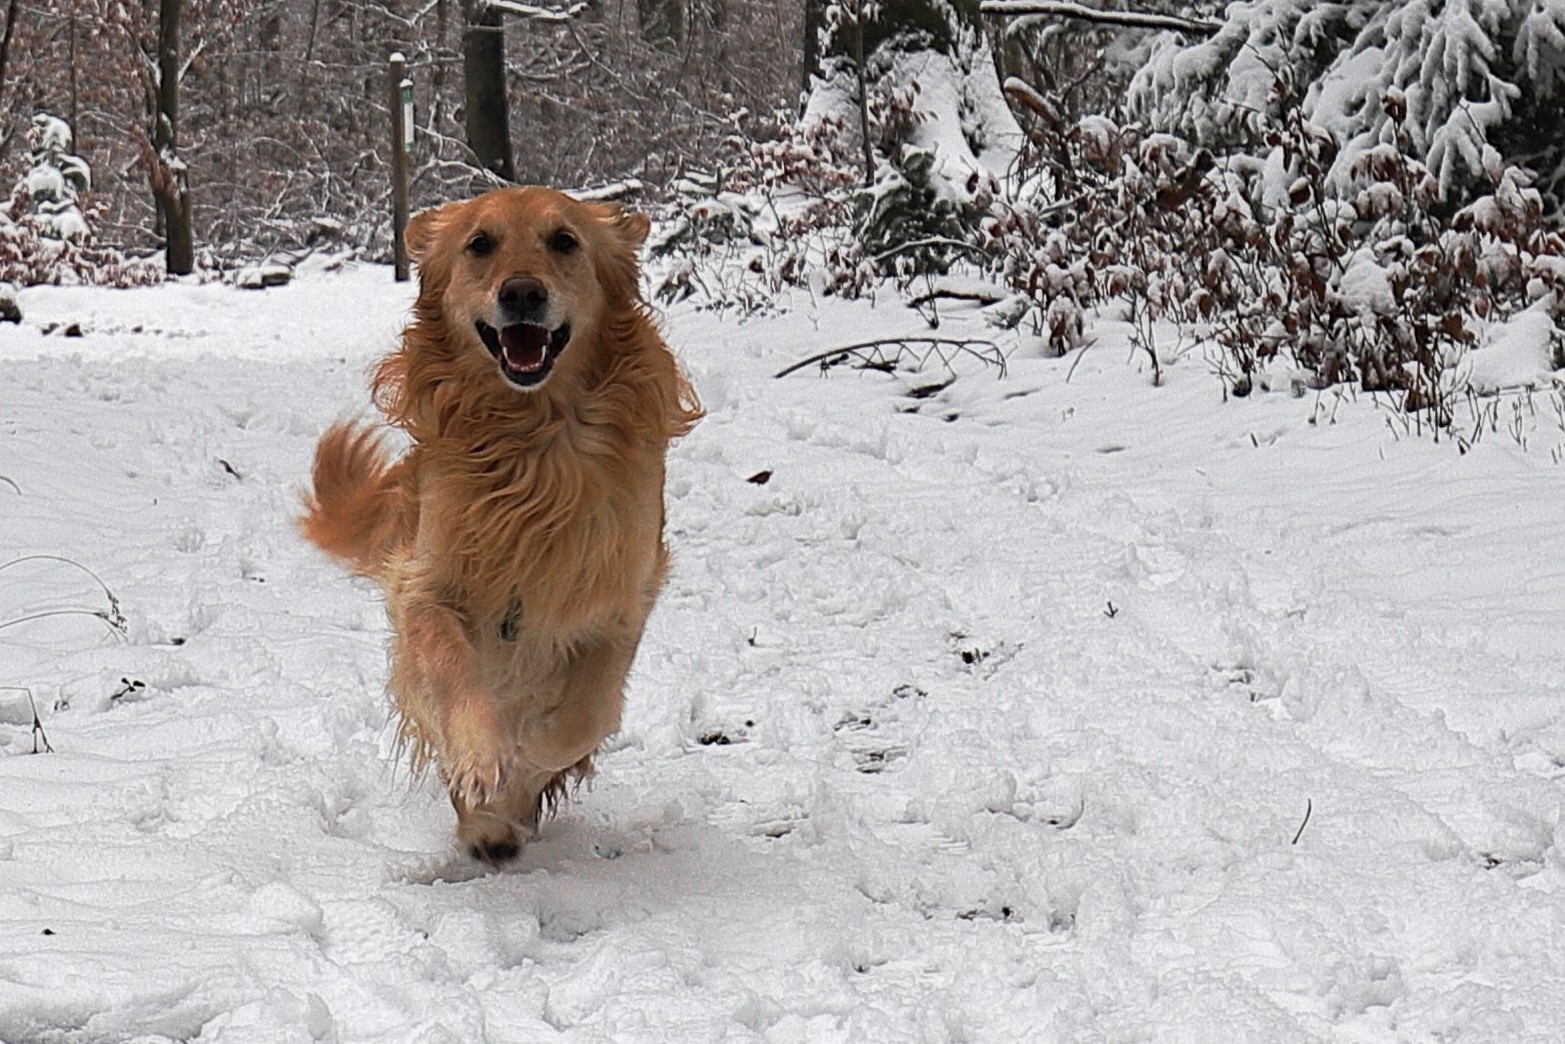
column 555, row 744
column 446, row 709
column 589, row 711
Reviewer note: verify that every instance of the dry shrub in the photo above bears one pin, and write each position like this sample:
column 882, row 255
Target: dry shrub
column 1382, row 287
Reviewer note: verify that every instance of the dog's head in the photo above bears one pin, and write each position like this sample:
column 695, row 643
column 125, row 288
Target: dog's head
column 528, row 275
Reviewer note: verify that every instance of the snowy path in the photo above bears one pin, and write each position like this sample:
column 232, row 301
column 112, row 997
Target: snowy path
column 892, row 771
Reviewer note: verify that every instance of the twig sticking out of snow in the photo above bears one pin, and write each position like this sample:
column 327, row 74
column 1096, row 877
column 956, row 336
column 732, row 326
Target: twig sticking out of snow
column 1309, row 806
column 113, row 616
column 39, row 736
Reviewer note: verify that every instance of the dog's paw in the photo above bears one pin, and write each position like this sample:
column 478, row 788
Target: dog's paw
column 473, row 785
column 488, row 837
column 478, row 753
column 496, row 851
column 475, row 777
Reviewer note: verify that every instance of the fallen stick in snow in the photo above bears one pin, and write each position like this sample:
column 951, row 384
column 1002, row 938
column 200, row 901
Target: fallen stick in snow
column 873, row 355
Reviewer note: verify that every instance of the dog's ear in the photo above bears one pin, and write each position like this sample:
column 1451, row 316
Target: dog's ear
column 619, row 270
column 426, row 227
column 628, row 227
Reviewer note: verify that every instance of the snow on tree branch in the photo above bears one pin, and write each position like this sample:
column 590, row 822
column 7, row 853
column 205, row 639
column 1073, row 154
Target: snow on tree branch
column 554, row 15
column 611, row 191
column 1064, row 9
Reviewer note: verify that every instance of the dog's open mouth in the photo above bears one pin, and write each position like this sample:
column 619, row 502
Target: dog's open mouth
column 526, row 353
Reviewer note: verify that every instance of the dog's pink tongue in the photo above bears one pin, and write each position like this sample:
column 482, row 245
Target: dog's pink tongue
column 524, row 345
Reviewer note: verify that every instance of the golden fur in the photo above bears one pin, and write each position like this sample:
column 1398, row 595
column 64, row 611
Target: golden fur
column 519, row 540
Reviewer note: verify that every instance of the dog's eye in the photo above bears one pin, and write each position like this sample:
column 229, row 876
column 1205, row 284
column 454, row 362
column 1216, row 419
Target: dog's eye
column 480, row 245
column 562, row 242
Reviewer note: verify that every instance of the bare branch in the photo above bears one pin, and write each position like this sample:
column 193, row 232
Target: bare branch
column 1129, row 19
column 919, row 244
column 1029, row 97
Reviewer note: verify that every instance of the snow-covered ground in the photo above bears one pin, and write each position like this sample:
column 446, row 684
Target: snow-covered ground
column 992, row 722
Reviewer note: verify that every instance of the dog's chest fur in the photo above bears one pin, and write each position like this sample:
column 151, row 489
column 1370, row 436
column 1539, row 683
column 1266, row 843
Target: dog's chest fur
column 557, row 530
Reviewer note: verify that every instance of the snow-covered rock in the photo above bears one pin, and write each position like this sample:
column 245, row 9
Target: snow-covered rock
column 263, row 276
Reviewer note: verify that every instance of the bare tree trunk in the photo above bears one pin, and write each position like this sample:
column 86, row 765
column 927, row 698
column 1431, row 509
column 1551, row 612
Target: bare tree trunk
column 488, row 112
column 437, row 105
column 897, row 24
column 862, row 76
column 309, row 57
column 661, row 20
column 75, row 85
column 5, row 41
column 315, row 28
column 925, row 20
column 814, row 26
column 171, row 185
column 720, row 23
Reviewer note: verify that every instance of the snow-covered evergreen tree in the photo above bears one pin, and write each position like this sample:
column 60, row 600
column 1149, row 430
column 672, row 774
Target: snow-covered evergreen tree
column 1476, row 75
column 44, row 234
column 50, row 190
column 917, row 78
column 931, row 79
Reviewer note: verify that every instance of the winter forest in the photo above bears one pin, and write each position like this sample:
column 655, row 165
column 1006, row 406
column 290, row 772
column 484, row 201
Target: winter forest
column 1114, row 590
column 1360, row 187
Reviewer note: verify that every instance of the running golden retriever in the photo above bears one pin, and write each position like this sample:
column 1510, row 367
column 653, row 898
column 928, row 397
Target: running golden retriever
column 519, row 540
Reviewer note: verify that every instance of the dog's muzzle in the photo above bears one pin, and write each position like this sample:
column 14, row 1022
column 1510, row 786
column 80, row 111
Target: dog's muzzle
column 525, row 346
column 526, row 352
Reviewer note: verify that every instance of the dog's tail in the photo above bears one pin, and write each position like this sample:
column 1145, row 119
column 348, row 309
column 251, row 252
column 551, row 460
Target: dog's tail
column 359, row 509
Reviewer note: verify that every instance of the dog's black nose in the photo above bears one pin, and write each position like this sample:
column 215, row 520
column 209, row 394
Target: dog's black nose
column 523, row 297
